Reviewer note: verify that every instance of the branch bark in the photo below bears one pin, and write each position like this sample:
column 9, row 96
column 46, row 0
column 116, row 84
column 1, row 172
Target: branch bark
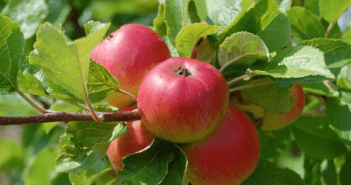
column 69, row 116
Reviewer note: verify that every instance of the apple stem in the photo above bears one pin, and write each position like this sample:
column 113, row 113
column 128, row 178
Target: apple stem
column 182, row 71
column 127, row 93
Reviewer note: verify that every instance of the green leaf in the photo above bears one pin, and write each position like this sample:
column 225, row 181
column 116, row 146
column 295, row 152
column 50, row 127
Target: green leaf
column 100, row 82
column 15, row 105
column 316, row 139
column 28, row 13
column 202, row 8
column 346, row 36
column 67, row 67
column 93, row 27
column 304, row 24
column 224, row 12
column 268, row 173
column 276, row 35
column 286, row 83
column 59, row 10
column 70, row 164
column 176, row 16
column 336, row 52
column 85, row 143
column 253, row 21
column 42, row 167
column 345, row 171
column 12, row 155
column 193, row 12
column 332, row 10
column 312, row 6
column 274, row 142
column 189, row 35
column 88, row 177
column 176, row 168
column 32, row 81
column 284, row 4
column 344, row 78
column 206, row 52
column 269, row 97
column 29, row 84
column 329, row 174
column 241, row 46
column 159, row 22
column 296, row 62
column 87, row 134
column 312, row 169
column 338, row 113
column 101, row 148
column 11, row 50
column 49, row 126
column 149, row 166
column 319, row 88
column 61, row 106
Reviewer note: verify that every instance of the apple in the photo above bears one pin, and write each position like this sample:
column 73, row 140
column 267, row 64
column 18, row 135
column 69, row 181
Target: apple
column 194, row 53
column 228, row 156
column 137, row 138
column 275, row 121
column 182, row 100
column 128, row 54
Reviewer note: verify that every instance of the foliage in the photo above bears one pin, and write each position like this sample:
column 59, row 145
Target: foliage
column 45, row 49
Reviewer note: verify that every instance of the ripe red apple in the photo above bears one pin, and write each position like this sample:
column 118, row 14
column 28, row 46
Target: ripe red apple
column 228, row 156
column 183, row 100
column 128, row 54
column 275, row 121
column 137, row 138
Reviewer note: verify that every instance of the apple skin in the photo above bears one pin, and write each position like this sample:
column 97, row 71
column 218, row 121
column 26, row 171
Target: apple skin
column 183, row 109
column 228, row 156
column 275, row 121
column 137, row 138
column 194, row 53
column 128, row 54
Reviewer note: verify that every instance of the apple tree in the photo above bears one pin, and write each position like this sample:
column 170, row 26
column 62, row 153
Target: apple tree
column 175, row 92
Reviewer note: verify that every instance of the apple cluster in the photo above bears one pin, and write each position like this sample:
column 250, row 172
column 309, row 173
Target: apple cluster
column 186, row 101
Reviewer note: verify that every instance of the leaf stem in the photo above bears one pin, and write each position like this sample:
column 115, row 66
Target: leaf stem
column 37, row 107
column 127, row 93
column 329, row 29
column 248, row 86
column 69, row 116
column 228, row 63
column 87, row 101
column 238, row 79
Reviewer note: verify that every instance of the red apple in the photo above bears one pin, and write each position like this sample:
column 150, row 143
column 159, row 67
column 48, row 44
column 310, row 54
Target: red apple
column 183, row 100
column 275, row 121
column 227, row 156
column 137, row 138
column 128, row 54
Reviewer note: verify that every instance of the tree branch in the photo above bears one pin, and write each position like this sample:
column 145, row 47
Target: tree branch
column 69, row 116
